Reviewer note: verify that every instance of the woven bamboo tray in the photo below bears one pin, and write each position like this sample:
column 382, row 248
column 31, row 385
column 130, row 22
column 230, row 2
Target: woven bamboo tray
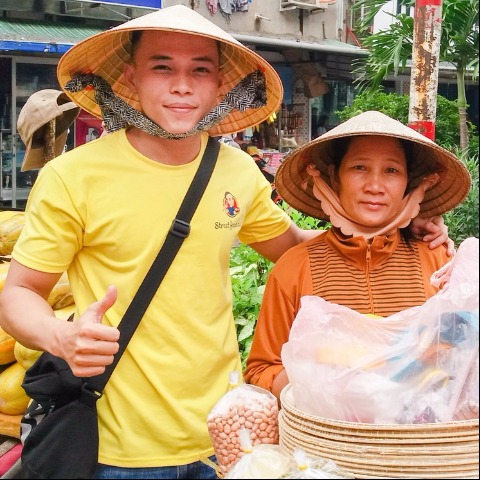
column 432, row 450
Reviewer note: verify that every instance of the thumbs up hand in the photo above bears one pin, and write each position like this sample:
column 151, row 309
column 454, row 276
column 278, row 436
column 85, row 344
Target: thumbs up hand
column 87, row 345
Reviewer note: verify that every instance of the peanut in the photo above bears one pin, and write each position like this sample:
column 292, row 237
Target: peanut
column 257, row 411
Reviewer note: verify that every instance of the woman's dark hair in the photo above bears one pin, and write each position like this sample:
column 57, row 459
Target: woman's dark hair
column 339, row 147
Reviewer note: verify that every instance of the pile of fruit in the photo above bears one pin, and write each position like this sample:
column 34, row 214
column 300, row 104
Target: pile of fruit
column 14, row 357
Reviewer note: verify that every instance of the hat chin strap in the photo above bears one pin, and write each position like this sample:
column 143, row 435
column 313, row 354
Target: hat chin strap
column 339, row 218
column 250, row 92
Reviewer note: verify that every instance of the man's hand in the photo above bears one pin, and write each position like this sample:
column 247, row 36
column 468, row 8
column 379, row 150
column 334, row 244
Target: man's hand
column 432, row 230
column 88, row 346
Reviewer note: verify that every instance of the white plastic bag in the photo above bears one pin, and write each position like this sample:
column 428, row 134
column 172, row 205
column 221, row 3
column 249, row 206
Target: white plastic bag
column 417, row 366
column 306, row 466
column 260, row 461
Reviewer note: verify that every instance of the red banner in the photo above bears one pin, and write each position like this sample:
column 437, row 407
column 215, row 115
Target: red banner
column 87, row 127
column 424, row 127
column 428, row 3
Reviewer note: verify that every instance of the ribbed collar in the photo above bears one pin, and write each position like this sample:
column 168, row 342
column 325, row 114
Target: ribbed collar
column 355, row 249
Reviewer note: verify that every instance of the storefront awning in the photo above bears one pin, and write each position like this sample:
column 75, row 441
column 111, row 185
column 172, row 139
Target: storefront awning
column 41, row 36
column 328, row 46
column 47, row 37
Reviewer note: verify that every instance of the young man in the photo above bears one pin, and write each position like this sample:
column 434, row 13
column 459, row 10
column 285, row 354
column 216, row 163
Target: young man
column 163, row 83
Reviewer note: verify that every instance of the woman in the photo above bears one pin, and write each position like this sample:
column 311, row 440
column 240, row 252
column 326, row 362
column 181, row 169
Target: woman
column 369, row 177
column 322, row 125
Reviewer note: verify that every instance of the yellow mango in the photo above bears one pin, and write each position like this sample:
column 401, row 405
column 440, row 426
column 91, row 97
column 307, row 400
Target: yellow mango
column 13, row 399
column 5, row 214
column 10, row 425
column 10, row 230
column 7, row 346
column 25, row 357
column 61, row 295
column 3, row 274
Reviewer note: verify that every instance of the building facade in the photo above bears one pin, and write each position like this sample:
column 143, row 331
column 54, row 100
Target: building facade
column 310, row 43
column 306, row 41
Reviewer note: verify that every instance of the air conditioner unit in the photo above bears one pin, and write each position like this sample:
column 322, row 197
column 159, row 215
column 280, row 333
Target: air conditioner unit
column 303, row 4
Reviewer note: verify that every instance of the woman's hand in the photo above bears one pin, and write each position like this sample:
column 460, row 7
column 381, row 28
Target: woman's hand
column 432, row 230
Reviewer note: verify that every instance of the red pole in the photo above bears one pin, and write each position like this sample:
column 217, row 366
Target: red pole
column 425, row 59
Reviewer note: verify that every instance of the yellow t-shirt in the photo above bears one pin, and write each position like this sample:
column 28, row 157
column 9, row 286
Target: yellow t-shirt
column 102, row 211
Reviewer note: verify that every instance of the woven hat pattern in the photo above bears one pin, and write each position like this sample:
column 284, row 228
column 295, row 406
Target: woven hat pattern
column 295, row 185
column 423, row 450
column 106, row 53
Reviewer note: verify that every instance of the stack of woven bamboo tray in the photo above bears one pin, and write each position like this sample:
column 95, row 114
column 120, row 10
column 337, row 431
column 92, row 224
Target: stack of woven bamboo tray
column 428, row 450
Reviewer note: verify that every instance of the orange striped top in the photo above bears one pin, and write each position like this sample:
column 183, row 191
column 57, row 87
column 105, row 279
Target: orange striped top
column 387, row 276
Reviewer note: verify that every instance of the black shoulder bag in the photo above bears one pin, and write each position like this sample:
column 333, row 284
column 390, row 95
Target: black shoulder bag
column 59, row 430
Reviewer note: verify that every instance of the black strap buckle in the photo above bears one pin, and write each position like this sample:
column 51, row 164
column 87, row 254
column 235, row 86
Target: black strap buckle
column 180, row 228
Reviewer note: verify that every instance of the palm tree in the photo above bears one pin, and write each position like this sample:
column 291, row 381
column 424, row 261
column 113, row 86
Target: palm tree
column 390, row 49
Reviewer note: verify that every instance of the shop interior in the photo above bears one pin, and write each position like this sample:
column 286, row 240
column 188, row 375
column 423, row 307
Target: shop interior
column 308, row 97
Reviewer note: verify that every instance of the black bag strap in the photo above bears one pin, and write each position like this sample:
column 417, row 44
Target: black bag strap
column 179, row 230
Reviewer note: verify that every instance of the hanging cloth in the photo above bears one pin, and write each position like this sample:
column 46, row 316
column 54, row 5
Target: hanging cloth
column 241, row 5
column 212, row 6
column 226, row 8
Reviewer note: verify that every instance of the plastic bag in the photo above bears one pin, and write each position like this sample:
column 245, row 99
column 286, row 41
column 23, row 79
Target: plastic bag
column 245, row 406
column 417, row 366
column 260, row 461
column 306, row 466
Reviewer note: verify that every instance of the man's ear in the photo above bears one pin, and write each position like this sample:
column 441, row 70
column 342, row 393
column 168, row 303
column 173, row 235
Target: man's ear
column 129, row 74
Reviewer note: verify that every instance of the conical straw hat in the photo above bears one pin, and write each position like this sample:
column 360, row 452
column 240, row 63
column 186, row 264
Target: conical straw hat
column 295, row 186
column 106, row 53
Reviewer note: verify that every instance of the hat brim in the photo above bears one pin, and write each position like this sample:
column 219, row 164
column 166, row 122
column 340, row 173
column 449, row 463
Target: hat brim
column 35, row 157
column 295, row 185
column 105, row 54
column 35, row 152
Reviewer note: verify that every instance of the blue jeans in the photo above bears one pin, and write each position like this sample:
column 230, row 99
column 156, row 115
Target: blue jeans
column 192, row 470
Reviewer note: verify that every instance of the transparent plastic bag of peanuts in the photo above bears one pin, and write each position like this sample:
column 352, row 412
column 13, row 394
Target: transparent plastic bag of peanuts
column 244, row 406
column 260, row 461
column 306, row 466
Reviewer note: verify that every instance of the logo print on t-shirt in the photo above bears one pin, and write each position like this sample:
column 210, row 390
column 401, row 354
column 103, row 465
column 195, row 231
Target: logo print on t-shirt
column 230, row 205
